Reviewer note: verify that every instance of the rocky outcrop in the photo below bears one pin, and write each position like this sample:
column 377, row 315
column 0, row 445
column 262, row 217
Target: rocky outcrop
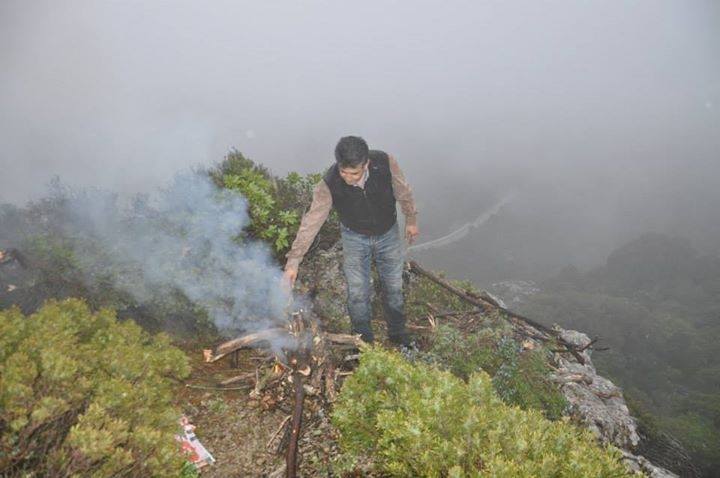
column 598, row 404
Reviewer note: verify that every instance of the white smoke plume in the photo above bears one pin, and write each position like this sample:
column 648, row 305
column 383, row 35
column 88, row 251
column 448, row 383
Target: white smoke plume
column 187, row 238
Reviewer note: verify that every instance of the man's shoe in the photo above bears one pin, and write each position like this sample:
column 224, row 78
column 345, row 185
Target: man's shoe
column 410, row 350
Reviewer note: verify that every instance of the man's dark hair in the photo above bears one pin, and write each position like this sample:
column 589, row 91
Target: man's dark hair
column 351, row 152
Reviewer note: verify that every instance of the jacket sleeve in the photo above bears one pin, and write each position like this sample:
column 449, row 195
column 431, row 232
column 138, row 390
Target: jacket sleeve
column 310, row 225
column 403, row 193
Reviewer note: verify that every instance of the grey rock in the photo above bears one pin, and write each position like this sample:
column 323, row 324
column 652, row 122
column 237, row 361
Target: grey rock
column 598, row 404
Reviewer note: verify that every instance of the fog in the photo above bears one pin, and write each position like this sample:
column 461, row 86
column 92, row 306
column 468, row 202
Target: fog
column 602, row 119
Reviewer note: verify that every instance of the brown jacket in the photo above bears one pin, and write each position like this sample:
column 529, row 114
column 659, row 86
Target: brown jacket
column 321, row 205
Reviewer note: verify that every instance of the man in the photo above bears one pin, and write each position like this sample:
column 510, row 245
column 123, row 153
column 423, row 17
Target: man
column 363, row 187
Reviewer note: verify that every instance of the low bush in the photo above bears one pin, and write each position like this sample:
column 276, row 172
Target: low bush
column 413, row 420
column 82, row 394
column 519, row 377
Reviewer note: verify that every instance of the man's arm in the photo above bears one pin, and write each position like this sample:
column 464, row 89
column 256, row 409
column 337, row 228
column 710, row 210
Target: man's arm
column 403, row 195
column 310, row 225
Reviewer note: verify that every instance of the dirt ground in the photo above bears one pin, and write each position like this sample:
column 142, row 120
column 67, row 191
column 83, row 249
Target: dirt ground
column 240, row 428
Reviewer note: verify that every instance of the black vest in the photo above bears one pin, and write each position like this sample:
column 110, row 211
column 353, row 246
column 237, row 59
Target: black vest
column 370, row 211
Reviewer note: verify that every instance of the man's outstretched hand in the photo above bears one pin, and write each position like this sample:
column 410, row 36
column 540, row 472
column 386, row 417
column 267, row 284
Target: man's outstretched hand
column 288, row 280
column 411, row 232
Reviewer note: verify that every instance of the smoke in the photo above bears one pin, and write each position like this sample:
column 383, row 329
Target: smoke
column 187, row 238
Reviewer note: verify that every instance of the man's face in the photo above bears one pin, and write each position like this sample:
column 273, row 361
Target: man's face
column 353, row 175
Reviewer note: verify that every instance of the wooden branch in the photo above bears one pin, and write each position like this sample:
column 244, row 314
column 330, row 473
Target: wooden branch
column 421, row 327
column 265, row 335
column 244, row 341
column 317, row 376
column 416, row 268
column 218, row 389
column 238, row 378
column 279, row 472
column 591, row 343
column 330, row 392
column 483, row 303
column 588, row 346
column 483, row 296
column 291, row 458
column 277, row 432
column 475, row 299
column 344, row 339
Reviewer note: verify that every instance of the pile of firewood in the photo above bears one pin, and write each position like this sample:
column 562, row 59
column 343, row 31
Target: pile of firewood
column 304, row 360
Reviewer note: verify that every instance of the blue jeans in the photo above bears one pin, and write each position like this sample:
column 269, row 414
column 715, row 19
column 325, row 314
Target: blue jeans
column 358, row 251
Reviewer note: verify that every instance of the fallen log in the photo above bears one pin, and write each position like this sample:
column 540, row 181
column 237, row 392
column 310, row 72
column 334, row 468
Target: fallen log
column 245, row 341
column 483, row 303
column 344, row 339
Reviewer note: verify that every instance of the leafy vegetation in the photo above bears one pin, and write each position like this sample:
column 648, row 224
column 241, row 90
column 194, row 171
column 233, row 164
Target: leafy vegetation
column 413, row 420
column 268, row 222
column 659, row 320
column 424, row 292
column 519, row 377
column 82, row 394
column 275, row 204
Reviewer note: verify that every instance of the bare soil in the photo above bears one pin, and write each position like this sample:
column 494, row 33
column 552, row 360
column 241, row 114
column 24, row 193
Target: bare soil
column 236, row 426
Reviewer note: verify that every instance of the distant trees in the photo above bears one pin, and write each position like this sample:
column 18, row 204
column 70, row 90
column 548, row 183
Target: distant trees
column 656, row 303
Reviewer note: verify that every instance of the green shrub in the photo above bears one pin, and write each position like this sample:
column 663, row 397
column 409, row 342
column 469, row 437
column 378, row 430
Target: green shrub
column 424, row 291
column 84, row 395
column 464, row 354
column 268, row 221
column 519, row 378
column 414, row 420
column 275, row 204
column 522, row 380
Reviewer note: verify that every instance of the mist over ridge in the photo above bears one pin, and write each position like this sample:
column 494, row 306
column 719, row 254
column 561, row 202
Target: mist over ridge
column 603, row 117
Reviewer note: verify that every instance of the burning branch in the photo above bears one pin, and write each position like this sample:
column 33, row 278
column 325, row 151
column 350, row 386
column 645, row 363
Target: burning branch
column 245, row 341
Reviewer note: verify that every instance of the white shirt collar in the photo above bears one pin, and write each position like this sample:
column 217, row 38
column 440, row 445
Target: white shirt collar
column 361, row 183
